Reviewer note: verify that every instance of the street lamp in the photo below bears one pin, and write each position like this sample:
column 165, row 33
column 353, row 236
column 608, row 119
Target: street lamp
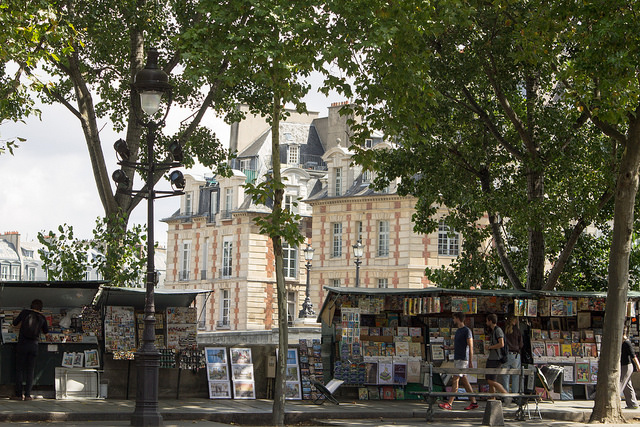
column 358, row 252
column 307, row 306
column 150, row 83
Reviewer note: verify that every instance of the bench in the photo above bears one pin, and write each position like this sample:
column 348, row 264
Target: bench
column 522, row 399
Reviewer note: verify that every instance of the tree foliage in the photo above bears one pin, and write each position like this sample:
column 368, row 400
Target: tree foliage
column 116, row 252
column 269, row 48
column 471, row 94
column 31, row 32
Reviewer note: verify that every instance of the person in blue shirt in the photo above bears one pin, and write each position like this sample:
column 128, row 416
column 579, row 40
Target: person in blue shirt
column 462, row 359
column 32, row 323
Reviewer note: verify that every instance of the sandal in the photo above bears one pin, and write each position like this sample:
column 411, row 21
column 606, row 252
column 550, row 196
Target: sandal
column 445, row 405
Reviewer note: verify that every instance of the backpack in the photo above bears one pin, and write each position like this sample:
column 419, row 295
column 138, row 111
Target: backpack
column 32, row 326
column 504, row 351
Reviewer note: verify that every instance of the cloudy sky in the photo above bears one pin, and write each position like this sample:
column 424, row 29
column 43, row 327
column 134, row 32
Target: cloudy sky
column 48, row 181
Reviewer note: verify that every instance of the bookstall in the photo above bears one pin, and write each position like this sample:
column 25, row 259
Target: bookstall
column 175, row 327
column 376, row 340
column 75, row 330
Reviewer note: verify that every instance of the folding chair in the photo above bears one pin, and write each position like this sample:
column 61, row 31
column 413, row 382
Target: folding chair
column 327, row 391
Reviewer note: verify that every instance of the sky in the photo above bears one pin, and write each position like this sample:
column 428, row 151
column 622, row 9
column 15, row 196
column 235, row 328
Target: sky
column 49, row 181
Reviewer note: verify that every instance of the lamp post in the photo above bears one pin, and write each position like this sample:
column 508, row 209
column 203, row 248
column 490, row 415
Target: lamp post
column 358, row 252
column 150, row 83
column 307, row 306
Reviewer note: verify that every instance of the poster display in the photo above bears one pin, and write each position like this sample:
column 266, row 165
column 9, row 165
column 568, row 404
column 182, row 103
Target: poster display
column 242, row 373
column 120, row 332
column 218, row 373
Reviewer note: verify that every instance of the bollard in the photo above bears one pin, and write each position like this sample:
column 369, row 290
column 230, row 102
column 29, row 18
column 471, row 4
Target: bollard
column 493, row 414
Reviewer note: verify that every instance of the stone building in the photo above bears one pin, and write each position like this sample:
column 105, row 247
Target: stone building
column 213, row 243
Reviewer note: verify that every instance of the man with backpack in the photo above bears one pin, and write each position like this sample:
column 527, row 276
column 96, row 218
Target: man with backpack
column 32, row 322
column 496, row 343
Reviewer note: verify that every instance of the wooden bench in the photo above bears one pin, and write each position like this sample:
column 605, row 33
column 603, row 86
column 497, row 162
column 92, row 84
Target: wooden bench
column 522, row 399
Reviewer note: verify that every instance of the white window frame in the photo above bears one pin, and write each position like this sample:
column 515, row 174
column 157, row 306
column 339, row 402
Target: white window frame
column 336, row 283
column 15, row 272
column 188, row 203
column 383, row 283
column 383, row 238
column 213, row 203
column 31, row 273
column 293, row 155
column 338, row 181
column 225, row 306
column 292, row 303
column 448, row 240
column 185, row 260
column 245, row 165
column 205, row 259
column 368, row 142
column 227, row 257
column 228, row 199
column 290, row 261
column 336, row 239
column 4, row 272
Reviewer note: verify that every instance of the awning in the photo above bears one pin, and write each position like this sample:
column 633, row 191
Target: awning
column 15, row 294
column 135, row 297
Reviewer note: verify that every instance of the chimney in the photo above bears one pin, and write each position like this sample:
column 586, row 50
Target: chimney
column 12, row 237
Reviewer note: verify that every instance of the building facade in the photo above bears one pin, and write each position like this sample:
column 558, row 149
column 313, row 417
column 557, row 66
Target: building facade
column 19, row 261
column 213, row 243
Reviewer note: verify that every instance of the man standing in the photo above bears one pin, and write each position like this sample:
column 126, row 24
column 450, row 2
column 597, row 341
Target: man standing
column 628, row 356
column 496, row 342
column 462, row 359
column 32, row 323
column 515, row 342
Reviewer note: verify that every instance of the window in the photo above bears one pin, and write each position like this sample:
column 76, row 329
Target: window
column 28, row 253
column 225, row 307
column 15, row 272
column 228, row 199
column 227, row 257
column 358, row 231
column 87, row 275
column 338, row 181
column 383, row 283
column 291, row 307
column 290, row 261
column 368, row 143
column 213, row 205
column 383, row 238
column 4, row 272
column 205, row 258
column 31, row 273
column 185, row 258
column 335, row 282
column 245, row 164
column 447, row 240
column 187, row 204
column 366, row 176
column 336, row 229
column 294, row 155
column 202, row 319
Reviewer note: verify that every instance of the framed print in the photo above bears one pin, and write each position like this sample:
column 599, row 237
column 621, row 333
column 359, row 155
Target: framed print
column 78, row 359
column 292, row 391
column 242, row 372
column 91, row 359
column 216, row 354
column 292, row 373
column 244, row 390
column 67, row 359
column 292, row 356
column 217, row 372
column 241, row 356
column 219, row 390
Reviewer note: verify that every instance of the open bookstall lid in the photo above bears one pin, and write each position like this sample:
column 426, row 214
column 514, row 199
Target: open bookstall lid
column 135, row 297
column 19, row 294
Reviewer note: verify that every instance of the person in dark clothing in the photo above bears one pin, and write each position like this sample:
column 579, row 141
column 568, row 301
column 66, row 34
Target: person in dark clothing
column 515, row 343
column 627, row 357
column 32, row 322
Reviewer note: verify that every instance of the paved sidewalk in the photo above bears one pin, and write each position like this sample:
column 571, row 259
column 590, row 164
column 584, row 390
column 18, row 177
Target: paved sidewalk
column 258, row 412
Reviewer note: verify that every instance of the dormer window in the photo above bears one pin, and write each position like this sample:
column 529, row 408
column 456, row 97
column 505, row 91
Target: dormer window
column 338, row 181
column 188, row 203
column 368, row 143
column 294, row 155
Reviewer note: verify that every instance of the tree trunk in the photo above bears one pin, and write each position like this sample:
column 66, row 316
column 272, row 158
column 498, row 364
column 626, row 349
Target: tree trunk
column 607, row 404
column 535, row 268
column 283, row 325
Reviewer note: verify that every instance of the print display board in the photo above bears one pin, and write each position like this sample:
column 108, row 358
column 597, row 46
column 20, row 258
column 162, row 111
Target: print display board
column 293, row 386
column 218, row 373
column 120, row 332
column 242, row 373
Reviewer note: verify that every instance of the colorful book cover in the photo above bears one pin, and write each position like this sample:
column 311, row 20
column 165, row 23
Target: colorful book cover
column 402, row 349
column 583, row 372
column 554, row 334
column 593, row 366
column 415, row 332
column 536, row 334
column 415, row 349
column 400, row 373
column 363, row 393
column 553, row 349
column 538, row 349
column 403, row 331
column 532, row 308
column 385, row 373
column 387, row 392
column 566, row 350
column 576, row 349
